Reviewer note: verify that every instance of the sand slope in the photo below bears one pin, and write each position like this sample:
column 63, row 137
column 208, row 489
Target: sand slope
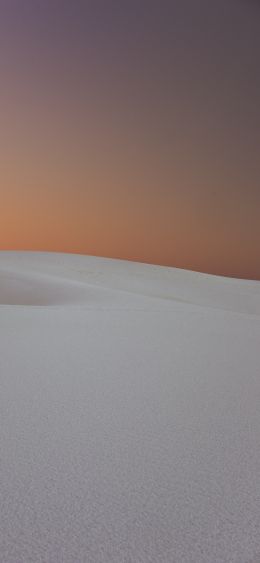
column 130, row 420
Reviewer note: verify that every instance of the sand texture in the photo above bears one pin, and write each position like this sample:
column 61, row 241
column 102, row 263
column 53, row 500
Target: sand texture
column 130, row 413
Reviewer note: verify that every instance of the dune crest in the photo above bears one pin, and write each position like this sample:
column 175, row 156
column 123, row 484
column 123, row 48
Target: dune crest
column 48, row 279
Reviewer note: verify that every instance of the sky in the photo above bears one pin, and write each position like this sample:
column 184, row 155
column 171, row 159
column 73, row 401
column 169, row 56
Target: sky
column 131, row 129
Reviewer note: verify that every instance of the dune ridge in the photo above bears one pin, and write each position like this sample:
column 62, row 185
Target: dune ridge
column 73, row 278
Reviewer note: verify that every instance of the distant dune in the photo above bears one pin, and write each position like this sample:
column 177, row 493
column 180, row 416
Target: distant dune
column 130, row 420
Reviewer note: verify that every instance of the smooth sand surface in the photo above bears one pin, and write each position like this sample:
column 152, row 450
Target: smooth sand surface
column 130, row 418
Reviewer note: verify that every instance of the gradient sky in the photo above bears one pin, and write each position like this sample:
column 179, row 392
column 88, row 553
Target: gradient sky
column 131, row 129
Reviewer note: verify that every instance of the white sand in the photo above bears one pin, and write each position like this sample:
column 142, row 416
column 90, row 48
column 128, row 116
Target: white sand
column 130, row 413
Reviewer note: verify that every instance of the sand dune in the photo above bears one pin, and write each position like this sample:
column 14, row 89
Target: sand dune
column 130, row 422
column 43, row 278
